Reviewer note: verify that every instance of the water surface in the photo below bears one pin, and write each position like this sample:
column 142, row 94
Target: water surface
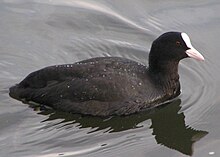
column 39, row 33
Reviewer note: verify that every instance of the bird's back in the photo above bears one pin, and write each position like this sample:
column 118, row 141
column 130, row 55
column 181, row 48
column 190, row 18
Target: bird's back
column 98, row 86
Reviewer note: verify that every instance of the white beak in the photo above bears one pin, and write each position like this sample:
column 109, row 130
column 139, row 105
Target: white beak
column 191, row 52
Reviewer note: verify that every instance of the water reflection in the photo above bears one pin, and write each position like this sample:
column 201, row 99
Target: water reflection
column 171, row 131
column 168, row 125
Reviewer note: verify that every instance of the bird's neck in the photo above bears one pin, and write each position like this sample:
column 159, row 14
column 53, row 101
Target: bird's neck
column 165, row 68
column 165, row 74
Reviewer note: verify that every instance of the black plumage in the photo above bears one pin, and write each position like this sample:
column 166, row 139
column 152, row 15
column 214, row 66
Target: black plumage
column 109, row 85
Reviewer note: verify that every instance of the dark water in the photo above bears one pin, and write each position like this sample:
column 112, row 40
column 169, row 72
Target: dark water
column 39, row 33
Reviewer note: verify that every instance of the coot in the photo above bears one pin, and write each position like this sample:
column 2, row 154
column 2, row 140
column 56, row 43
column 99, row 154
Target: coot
column 111, row 85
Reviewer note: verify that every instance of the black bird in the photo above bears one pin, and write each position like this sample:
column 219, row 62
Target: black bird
column 111, row 85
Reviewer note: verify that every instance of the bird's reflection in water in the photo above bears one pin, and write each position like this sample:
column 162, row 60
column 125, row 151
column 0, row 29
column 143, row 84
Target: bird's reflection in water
column 168, row 125
column 171, row 131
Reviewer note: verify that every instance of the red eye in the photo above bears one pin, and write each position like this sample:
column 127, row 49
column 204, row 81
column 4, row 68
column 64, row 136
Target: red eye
column 178, row 43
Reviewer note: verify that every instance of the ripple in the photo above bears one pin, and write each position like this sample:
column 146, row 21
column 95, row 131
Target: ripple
column 45, row 32
column 96, row 7
column 94, row 47
column 198, row 92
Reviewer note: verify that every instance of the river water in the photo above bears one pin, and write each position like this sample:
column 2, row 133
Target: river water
column 39, row 33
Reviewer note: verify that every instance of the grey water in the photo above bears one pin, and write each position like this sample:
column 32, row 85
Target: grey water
column 39, row 33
